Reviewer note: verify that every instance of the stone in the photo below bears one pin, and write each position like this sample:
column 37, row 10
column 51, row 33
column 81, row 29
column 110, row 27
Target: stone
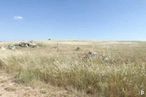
column 2, row 48
column 23, row 44
column 29, row 44
column 90, row 55
column 11, row 47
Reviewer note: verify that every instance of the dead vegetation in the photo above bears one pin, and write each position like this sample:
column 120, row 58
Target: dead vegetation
column 97, row 70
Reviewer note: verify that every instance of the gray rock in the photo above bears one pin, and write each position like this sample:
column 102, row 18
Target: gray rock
column 90, row 55
column 32, row 44
column 23, row 44
column 11, row 47
column 29, row 44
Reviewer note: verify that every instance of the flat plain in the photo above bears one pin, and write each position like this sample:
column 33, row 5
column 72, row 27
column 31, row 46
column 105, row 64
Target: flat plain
column 74, row 69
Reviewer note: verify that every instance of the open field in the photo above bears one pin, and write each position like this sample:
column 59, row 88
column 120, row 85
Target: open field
column 112, row 69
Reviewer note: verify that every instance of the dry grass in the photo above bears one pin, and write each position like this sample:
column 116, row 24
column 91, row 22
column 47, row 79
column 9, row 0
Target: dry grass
column 118, row 71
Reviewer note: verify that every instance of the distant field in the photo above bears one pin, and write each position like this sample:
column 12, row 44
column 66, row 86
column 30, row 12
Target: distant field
column 85, row 68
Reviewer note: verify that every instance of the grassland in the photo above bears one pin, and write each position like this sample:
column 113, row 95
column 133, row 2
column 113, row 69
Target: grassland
column 119, row 70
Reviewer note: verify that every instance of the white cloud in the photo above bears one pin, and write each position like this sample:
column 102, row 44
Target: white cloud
column 18, row 18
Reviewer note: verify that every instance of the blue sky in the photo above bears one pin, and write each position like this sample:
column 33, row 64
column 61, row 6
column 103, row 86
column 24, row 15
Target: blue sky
column 72, row 19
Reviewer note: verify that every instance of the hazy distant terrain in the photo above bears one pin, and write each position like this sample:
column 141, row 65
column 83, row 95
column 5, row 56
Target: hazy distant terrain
column 74, row 69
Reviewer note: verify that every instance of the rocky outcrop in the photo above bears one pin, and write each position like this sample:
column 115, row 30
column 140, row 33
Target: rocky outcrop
column 29, row 44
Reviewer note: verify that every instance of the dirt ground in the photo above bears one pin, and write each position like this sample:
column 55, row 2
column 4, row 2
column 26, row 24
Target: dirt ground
column 9, row 88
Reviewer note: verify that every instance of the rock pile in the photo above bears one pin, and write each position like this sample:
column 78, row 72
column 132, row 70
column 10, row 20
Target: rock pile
column 96, row 56
column 90, row 55
column 29, row 44
column 11, row 47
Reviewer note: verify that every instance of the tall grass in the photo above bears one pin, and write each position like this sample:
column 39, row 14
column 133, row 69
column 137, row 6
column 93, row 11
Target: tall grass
column 122, row 74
